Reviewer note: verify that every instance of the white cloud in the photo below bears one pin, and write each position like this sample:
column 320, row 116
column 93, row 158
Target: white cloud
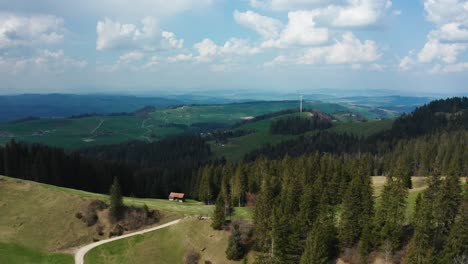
column 45, row 61
column 113, row 34
column 171, row 38
column 448, row 40
column 434, row 50
column 208, row 50
column 238, row 47
column 446, row 11
column 450, row 68
column 340, row 13
column 180, row 58
column 267, row 27
column 286, row 5
column 359, row 13
column 16, row 30
column 131, row 56
column 281, row 59
column 450, row 32
column 300, row 30
column 406, row 63
column 349, row 50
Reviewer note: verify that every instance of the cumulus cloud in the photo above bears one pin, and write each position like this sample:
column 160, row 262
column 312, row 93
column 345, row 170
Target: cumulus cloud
column 46, row 61
column 300, row 30
column 113, row 34
column 285, row 5
column 131, row 56
column 359, row 13
column 449, row 38
column 350, row 50
column 434, row 50
column 267, row 27
column 406, row 64
column 349, row 13
column 180, row 58
column 456, row 67
column 450, row 32
column 208, row 50
column 16, row 30
column 446, row 11
column 173, row 41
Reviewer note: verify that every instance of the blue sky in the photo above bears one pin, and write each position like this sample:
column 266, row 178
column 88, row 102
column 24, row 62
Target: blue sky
column 414, row 47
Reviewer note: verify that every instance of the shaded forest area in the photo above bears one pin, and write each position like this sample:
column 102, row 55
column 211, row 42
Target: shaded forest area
column 299, row 125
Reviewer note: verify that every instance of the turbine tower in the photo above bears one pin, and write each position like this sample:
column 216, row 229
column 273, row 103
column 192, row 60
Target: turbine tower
column 300, row 104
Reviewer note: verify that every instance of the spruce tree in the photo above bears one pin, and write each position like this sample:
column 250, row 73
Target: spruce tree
column 420, row 246
column 263, row 214
column 321, row 241
column 235, row 249
column 219, row 216
column 457, row 242
column 357, row 206
column 116, row 199
column 403, row 171
column 390, row 215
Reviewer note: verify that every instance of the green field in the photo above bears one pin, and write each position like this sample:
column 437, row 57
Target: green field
column 236, row 148
column 15, row 254
column 362, row 128
column 38, row 223
column 166, row 246
column 72, row 133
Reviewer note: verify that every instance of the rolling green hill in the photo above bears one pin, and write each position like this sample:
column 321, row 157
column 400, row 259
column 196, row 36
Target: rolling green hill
column 236, row 148
column 38, row 223
column 73, row 133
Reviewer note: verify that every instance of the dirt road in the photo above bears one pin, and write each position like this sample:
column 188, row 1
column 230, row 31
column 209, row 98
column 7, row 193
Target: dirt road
column 80, row 254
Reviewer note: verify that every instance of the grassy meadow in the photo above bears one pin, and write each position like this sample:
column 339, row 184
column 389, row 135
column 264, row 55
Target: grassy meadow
column 73, row 133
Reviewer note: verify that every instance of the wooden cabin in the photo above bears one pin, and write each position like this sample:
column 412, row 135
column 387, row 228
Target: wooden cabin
column 178, row 197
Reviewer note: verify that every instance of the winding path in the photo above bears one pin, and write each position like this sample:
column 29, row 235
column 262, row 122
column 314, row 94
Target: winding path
column 98, row 126
column 79, row 255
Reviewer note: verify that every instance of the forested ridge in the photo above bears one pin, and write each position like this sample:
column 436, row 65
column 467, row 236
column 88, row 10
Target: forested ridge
column 437, row 117
column 312, row 196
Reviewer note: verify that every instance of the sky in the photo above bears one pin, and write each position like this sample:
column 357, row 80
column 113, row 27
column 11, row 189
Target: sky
column 414, row 47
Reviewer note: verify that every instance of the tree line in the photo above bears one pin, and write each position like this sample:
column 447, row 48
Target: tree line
column 312, row 208
column 298, row 125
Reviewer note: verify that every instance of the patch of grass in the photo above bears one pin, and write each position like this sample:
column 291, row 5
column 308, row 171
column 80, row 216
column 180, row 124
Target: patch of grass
column 362, row 128
column 166, row 245
column 41, row 219
column 16, row 254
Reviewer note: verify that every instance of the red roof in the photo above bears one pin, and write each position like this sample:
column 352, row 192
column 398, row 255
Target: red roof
column 177, row 195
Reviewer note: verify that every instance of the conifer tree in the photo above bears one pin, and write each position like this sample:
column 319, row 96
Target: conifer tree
column 262, row 214
column 390, row 215
column 403, row 171
column 321, row 241
column 357, row 206
column 457, row 242
column 238, row 186
column 116, row 199
column 235, row 249
column 420, row 246
column 219, row 216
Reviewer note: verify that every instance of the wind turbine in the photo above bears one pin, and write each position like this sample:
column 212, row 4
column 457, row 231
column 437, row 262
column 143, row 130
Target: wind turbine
column 300, row 103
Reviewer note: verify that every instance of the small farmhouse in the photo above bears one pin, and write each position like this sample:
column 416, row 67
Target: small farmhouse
column 178, row 197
